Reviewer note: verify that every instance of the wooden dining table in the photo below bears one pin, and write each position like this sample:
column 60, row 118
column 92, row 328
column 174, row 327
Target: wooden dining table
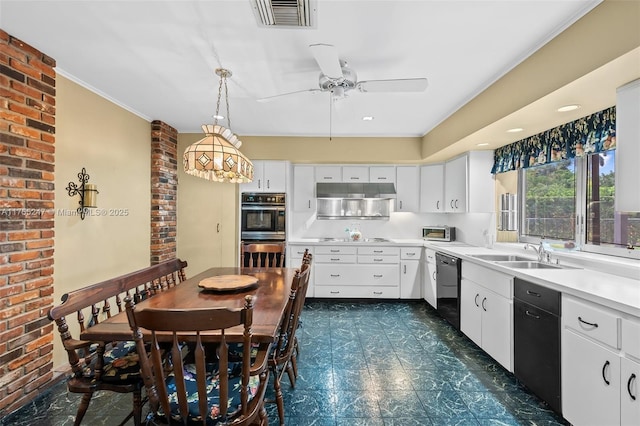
column 270, row 299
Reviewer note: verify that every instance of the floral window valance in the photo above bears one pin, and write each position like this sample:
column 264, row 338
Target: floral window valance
column 587, row 135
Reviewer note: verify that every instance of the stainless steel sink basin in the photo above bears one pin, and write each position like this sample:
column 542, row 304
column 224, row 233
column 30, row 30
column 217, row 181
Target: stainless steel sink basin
column 500, row 257
column 530, row 265
column 348, row 240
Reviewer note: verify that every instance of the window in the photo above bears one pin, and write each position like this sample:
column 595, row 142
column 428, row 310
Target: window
column 573, row 201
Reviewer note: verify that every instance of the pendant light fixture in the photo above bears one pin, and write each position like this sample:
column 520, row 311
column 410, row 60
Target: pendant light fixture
column 216, row 157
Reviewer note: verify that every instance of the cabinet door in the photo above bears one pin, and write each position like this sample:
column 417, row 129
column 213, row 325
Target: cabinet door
column 471, row 311
column 496, row 327
column 429, row 277
column 257, row 184
column 455, row 185
column 382, row 174
column 432, row 188
column 407, row 189
column 274, row 175
column 590, row 382
column 328, row 174
column 410, row 279
column 355, row 174
column 304, row 198
column 630, row 382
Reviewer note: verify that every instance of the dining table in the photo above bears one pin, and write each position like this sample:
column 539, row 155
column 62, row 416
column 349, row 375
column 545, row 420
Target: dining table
column 271, row 293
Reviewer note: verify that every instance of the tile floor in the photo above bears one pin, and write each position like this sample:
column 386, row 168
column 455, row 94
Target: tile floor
column 363, row 363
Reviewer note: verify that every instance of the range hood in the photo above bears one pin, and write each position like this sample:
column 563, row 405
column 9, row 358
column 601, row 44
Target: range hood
column 354, row 200
column 356, row 190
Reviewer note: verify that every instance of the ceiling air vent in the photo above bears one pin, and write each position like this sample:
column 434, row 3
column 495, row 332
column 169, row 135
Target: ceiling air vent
column 285, row 13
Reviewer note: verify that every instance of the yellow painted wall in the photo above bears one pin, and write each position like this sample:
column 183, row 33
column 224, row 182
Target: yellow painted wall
column 114, row 146
column 202, row 205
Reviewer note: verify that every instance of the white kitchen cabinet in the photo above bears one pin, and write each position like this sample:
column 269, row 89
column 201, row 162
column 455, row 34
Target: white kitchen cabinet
column 429, row 277
column 294, row 260
column 304, row 189
column 355, row 174
column 410, row 277
column 469, row 185
column 432, row 188
column 407, row 189
column 628, row 147
column 328, row 174
column 486, row 311
column 630, row 392
column 268, row 176
column 382, row 174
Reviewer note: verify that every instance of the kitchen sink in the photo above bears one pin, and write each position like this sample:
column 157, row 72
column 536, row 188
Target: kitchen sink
column 532, row 265
column 500, row 257
column 349, row 240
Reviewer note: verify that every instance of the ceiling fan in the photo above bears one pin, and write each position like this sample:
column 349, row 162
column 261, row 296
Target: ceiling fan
column 338, row 78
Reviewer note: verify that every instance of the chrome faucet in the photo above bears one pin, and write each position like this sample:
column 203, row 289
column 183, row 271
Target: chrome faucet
column 543, row 255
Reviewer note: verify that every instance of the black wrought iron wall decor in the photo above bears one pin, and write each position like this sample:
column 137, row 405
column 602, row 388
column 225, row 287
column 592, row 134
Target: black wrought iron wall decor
column 586, row 135
column 88, row 193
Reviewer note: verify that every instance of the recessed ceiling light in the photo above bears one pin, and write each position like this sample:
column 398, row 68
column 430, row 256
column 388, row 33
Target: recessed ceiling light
column 483, row 144
column 568, row 108
column 367, row 118
column 515, row 130
column 219, row 117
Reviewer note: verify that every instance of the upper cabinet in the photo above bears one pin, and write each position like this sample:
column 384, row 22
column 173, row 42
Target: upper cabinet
column 469, row 185
column 304, row 198
column 407, row 189
column 432, row 188
column 382, row 174
column 268, row 176
column 628, row 147
column 328, row 174
column 355, row 174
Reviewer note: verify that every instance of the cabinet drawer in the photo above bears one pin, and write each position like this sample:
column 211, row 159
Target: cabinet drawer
column 591, row 320
column 631, row 337
column 334, row 275
column 430, row 255
column 377, row 251
column 488, row 278
column 412, row 253
column 298, row 252
column 335, row 250
column 358, row 292
column 378, row 259
column 378, row 275
column 335, row 258
column 536, row 295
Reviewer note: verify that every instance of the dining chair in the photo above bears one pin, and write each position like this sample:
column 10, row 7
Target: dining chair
column 187, row 382
column 283, row 354
column 262, row 255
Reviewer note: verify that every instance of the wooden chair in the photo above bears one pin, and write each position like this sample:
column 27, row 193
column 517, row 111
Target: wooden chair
column 202, row 386
column 111, row 366
column 283, row 355
column 262, row 255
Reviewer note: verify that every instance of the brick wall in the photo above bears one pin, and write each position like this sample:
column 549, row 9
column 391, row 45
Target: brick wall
column 164, row 181
column 27, row 136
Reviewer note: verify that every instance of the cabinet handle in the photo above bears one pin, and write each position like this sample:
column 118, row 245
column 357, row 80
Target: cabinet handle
column 335, row 260
column 434, row 275
column 438, row 205
column 631, row 379
column 451, row 203
column 218, row 228
column 382, row 178
column 377, row 276
column 354, row 178
column 592, row 324
column 456, row 204
column 378, row 260
column 259, row 186
column 377, row 292
column 484, row 308
column 335, row 292
column 476, row 300
column 334, row 251
column 533, row 293
column 268, row 183
column 405, row 269
column 400, row 204
column 378, row 251
column 531, row 315
column 309, row 203
column 604, row 368
column 334, row 275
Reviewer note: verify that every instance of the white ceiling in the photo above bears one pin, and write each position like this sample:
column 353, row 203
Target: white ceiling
column 157, row 58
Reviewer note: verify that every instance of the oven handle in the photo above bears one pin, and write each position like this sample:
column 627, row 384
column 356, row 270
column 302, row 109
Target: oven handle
column 270, row 208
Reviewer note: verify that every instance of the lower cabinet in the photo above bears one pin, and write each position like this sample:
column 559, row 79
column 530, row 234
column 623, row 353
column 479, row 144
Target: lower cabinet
column 429, row 277
column 600, row 364
column 294, row 260
column 410, row 277
column 486, row 311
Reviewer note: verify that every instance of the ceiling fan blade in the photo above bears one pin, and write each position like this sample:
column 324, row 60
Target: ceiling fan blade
column 399, row 85
column 326, row 56
column 270, row 98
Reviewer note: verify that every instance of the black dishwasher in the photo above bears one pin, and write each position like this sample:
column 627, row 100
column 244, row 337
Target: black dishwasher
column 448, row 270
column 536, row 318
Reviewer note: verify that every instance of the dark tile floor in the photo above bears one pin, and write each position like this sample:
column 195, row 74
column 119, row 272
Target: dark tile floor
column 363, row 363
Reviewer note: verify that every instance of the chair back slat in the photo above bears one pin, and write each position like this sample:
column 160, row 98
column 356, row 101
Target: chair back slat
column 263, row 255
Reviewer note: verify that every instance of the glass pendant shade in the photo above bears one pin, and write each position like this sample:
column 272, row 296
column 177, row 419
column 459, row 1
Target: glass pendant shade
column 216, row 157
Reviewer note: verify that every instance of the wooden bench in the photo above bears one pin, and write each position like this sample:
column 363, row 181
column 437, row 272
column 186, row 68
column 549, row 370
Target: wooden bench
column 108, row 365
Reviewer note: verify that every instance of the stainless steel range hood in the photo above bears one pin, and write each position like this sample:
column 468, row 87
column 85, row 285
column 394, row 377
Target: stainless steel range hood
column 354, row 200
column 355, row 190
